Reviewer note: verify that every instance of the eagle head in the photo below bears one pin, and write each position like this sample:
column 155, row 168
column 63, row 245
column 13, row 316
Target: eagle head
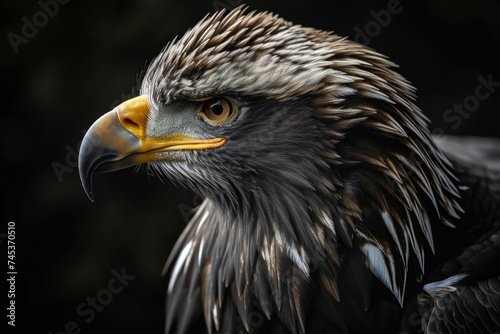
column 317, row 169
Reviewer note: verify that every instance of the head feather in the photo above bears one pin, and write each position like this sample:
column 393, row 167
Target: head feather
column 345, row 163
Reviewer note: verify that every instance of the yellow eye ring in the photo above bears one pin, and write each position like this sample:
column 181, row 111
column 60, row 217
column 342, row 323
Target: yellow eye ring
column 217, row 110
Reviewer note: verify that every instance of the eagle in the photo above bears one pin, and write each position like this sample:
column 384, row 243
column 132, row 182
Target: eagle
column 328, row 206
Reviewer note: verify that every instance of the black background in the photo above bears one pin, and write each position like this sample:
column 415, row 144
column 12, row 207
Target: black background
column 86, row 59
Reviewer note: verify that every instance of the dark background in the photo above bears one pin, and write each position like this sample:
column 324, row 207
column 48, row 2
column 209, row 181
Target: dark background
column 86, row 59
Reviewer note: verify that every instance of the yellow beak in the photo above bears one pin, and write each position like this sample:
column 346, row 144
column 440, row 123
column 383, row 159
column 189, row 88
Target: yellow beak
column 118, row 140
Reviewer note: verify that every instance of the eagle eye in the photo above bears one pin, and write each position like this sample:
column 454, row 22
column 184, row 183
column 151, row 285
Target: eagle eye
column 217, row 109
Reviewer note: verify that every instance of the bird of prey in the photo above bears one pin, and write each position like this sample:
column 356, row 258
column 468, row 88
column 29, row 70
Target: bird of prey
column 328, row 206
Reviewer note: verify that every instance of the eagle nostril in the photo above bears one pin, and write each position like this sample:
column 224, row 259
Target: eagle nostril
column 130, row 122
